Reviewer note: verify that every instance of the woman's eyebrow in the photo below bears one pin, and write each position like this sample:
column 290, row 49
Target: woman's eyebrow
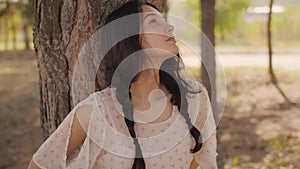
column 151, row 14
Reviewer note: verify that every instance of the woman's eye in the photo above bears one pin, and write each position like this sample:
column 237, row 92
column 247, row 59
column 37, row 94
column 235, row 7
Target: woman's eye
column 152, row 21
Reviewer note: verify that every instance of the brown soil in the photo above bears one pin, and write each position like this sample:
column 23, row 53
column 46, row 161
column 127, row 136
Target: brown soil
column 258, row 129
column 20, row 130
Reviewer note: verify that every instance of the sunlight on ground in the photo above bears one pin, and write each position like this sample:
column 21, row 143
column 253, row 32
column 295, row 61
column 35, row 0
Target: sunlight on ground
column 257, row 130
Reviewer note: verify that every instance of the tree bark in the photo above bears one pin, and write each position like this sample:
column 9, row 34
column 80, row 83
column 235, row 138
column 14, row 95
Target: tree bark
column 25, row 33
column 269, row 36
column 208, row 67
column 14, row 33
column 6, row 33
column 270, row 52
column 3, row 13
column 61, row 28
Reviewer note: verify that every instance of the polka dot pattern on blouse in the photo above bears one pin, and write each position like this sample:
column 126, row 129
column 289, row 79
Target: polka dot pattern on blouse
column 108, row 144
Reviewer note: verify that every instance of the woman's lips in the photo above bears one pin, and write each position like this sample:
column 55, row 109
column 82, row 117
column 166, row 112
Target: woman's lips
column 171, row 39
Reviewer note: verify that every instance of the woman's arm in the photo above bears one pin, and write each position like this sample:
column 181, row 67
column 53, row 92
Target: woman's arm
column 206, row 156
column 194, row 164
column 32, row 165
column 79, row 127
column 78, row 131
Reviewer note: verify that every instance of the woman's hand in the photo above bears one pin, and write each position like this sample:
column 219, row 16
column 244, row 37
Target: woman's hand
column 193, row 165
column 32, row 165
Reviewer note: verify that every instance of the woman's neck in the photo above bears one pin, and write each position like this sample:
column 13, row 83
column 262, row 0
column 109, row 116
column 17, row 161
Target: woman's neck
column 148, row 81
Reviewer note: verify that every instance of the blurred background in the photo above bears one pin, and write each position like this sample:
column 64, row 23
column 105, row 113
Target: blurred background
column 259, row 128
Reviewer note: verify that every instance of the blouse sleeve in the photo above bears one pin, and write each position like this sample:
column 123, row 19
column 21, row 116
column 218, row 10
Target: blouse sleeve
column 206, row 156
column 52, row 154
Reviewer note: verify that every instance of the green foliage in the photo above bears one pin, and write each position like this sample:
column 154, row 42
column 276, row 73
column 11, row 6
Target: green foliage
column 236, row 160
column 286, row 26
column 194, row 7
column 227, row 15
column 277, row 143
column 27, row 11
column 13, row 16
column 262, row 145
column 285, row 30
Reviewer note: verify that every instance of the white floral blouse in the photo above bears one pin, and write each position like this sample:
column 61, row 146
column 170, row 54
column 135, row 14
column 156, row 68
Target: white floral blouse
column 108, row 144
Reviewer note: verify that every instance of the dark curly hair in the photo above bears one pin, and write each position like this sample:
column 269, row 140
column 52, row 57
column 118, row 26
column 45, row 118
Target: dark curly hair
column 171, row 80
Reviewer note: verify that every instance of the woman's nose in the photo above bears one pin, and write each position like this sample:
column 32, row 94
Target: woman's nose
column 170, row 28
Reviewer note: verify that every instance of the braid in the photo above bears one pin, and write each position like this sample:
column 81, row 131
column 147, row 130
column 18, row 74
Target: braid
column 173, row 82
column 122, row 96
column 193, row 130
column 183, row 109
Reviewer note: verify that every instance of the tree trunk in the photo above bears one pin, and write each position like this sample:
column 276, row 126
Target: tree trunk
column 270, row 52
column 14, row 33
column 3, row 15
column 25, row 33
column 6, row 33
column 208, row 67
column 269, row 36
column 207, row 51
column 61, row 28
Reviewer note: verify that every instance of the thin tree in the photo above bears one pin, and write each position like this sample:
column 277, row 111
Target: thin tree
column 4, row 14
column 5, row 10
column 6, row 32
column 208, row 68
column 270, row 52
column 60, row 30
column 27, row 20
column 13, row 29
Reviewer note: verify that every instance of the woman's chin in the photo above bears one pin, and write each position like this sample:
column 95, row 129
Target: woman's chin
column 175, row 51
column 172, row 52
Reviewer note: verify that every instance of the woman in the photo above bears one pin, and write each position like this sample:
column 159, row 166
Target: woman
column 143, row 119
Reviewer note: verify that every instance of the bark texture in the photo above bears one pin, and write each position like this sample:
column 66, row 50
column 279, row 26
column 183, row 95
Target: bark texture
column 207, row 50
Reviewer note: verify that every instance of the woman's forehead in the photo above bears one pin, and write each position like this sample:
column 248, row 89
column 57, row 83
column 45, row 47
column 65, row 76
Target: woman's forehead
column 148, row 11
column 147, row 8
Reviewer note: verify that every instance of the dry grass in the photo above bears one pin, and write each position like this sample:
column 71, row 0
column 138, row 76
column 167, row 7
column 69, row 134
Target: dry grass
column 257, row 130
column 19, row 108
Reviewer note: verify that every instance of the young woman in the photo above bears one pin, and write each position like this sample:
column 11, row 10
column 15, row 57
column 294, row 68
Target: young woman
column 148, row 117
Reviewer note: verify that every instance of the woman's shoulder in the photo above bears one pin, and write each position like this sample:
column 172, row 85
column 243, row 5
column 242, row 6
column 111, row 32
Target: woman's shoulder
column 92, row 102
column 104, row 94
column 96, row 98
column 195, row 86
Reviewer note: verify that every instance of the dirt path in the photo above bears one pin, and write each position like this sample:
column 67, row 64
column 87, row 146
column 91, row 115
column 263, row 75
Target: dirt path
column 257, row 130
column 289, row 61
column 19, row 109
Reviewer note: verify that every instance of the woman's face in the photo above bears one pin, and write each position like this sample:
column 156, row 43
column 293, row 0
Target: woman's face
column 157, row 34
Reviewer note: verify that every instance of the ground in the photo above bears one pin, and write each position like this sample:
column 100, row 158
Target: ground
column 257, row 130
column 20, row 133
